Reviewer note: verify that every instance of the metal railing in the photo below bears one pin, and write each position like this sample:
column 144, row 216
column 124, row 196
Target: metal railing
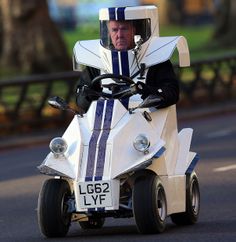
column 208, row 80
column 23, row 101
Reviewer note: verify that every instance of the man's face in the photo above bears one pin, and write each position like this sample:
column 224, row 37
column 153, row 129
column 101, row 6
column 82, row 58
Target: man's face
column 122, row 34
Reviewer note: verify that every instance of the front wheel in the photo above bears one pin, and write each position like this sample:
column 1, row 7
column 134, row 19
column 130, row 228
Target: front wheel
column 149, row 204
column 190, row 216
column 53, row 218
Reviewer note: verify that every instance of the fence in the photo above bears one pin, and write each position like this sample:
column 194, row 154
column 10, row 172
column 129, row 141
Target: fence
column 208, row 81
column 23, row 101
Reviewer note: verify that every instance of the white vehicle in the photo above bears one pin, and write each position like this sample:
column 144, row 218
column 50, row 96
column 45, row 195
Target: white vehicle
column 121, row 160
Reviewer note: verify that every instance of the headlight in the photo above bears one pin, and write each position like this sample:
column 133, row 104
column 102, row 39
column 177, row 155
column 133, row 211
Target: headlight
column 58, row 146
column 141, row 143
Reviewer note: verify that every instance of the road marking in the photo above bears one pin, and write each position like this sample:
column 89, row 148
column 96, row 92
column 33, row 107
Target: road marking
column 225, row 168
column 220, row 133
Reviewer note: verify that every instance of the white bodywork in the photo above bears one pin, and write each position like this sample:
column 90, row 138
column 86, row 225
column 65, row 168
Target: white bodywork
column 100, row 144
column 156, row 50
column 168, row 152
column 160, row 49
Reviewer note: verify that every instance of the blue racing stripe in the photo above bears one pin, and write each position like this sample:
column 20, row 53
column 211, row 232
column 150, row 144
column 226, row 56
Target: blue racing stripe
column 125, row 63
column 91, row 210
column 192, row 164
column 98, row 178
column 108, row 114
column 125, row 102
column 100, row 209
column 112, row 13
column 102, row 153
column 125, row 72
column 159, row 152
column 121, row 13
column 103, row 141
column 93, row 140
column 115, row 63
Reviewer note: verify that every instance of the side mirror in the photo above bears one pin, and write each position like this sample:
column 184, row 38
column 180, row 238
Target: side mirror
column 58, row 103
column 138, row 44
column 150, row 101
column 138, row 40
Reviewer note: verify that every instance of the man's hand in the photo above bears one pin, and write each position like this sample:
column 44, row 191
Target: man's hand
column 142, row 88
column 88, row 92
column 152, row 101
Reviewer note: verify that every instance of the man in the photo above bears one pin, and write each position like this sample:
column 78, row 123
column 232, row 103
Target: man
column 161, row 81
column 122, row 34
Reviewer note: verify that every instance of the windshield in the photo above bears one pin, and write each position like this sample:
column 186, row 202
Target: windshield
column 119, row 35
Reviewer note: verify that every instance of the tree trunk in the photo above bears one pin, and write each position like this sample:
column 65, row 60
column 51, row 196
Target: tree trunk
column 176, row 12
column 1, row 30
column 225, row 15
column 30, row 40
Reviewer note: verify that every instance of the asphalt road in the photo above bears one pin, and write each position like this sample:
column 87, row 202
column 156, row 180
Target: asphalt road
column 214, row 139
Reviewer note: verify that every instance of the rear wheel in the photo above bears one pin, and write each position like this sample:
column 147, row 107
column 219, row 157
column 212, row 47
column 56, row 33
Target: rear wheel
column 92, row 223
column 190, row 216
column 149, row 204
column 53, row 218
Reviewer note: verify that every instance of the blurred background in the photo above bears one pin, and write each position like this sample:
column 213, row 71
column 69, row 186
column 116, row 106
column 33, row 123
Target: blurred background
column 36, row 42
column 37, row 39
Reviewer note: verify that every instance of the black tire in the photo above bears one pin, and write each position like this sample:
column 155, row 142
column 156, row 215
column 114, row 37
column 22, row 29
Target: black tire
column 53, row 218
column 92, row 223
column 190, row 216
column 149, row 204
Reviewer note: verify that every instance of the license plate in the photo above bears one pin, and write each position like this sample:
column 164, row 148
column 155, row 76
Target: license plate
column 95, row 194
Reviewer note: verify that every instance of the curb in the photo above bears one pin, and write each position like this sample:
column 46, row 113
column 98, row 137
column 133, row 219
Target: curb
column 206, row 111
column 44, row 136
column 29, row 139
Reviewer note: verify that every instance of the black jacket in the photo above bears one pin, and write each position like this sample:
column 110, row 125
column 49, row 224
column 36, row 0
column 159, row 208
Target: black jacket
column 161, row 80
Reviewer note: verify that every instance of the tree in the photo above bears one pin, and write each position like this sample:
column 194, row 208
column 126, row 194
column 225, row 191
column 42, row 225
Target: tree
column 225, row 15
column 30, row 41
column 176, row 11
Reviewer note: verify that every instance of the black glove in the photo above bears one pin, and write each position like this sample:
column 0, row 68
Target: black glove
column 85, row 96
column 87, row 92
column 152, row 101
column 142, row 88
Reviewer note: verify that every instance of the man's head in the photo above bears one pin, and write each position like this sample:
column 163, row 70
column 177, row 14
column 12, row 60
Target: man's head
column 122, row 34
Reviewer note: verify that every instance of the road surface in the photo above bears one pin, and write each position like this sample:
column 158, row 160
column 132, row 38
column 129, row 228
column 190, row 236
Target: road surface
column 214, row 139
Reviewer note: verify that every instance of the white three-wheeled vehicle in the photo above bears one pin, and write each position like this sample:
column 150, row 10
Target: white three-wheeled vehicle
column 122, row 158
